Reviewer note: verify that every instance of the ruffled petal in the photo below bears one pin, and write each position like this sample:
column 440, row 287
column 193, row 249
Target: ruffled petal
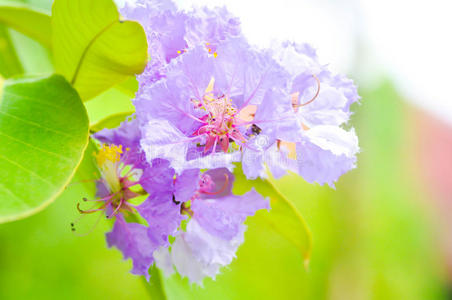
column 163, row 261
column 157, row 179
column 329, row 108
column 224, row 217
column 163, row 218
column 132, row 239
column 186, row 185
column 197, row 254
column 325, row 153
column 211, row 26
column 163, row 140
column 276, row 117
column 185, row 79
column 297, row 58
column 187, row 264
column 246, row 74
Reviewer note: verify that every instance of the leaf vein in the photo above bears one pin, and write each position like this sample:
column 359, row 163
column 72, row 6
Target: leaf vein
column 35, row 124
column 35, row 147
column 25, row 169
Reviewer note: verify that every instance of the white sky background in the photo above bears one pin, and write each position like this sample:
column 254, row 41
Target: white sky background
column 409, row 40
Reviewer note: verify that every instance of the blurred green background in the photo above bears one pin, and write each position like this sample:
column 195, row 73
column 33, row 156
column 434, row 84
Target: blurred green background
column 376, row 236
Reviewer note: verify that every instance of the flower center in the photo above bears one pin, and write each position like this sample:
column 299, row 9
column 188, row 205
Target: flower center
column 220, row 121
column 115, row 184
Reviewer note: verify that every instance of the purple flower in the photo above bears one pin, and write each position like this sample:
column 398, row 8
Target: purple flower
column 126, row 175
column 241, row 104
column 322, row 102
column 215, row 230
column 207, row 100
column 209, row 108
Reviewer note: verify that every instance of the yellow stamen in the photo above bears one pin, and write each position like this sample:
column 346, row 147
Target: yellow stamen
column 110, row 153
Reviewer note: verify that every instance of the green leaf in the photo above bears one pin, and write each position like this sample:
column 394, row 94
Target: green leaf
column 34, row 57
column 109, row 103
column 31, row 22
column 128, row 87
column 155, row 286
column 93, row 49
column 112, row 121
column 283, row 217
column 43, row 133
column 9, row 62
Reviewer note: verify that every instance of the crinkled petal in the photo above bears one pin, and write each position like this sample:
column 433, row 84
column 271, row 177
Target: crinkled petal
column 163, row 217
column 337, row 93
column 163, row 140
column 276, row 117
column 163, row 24
column 329, row 108
column 163, row 261
column 157, row 180
column 297, row 58
column 223, row 217
column 276, row 158
column 211, row 26
column 186, row 185
column 211, row 249
column 246, row 74
column 197, row 254
column 132, row 239
column 345, row 85
column 325, row 153
column 186, row 78
column 186, row 263
column 253, row 159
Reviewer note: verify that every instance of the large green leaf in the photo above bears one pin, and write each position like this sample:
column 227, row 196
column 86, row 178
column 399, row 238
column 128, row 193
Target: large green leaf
column 93, row 49
column 31, row 22
column 43, row 135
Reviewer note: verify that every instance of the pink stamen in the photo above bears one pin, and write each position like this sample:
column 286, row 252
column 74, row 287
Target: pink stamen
column 185, row 113
column 313, row 98
column 117, row 208
column 215, row 145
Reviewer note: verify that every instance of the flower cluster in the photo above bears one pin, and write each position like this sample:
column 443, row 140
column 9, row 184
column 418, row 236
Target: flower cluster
column 209, row 100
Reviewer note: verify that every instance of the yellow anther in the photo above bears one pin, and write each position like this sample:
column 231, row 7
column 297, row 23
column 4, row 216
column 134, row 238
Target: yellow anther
column 109, row 153
column 215, row 54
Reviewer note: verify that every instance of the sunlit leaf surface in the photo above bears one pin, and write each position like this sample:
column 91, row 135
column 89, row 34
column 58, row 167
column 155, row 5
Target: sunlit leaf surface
column 93, row 49
column 43, row 135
